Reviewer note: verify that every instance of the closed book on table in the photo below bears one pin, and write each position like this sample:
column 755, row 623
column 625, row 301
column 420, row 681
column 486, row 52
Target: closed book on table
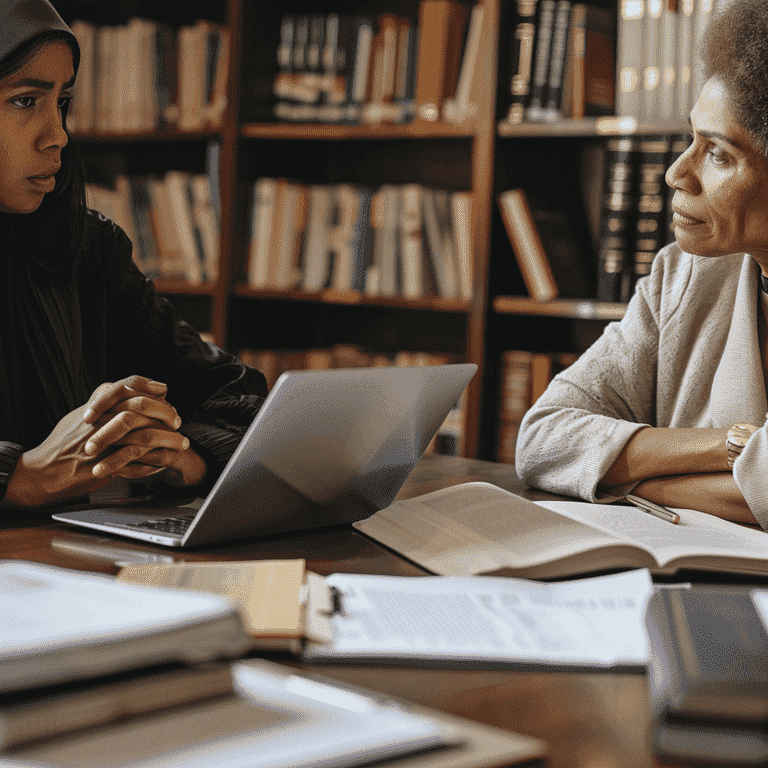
column 708, row 677
column 62, row 625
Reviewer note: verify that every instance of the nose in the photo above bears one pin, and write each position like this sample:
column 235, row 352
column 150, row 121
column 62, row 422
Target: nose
column 52, row 134
column 681, row 174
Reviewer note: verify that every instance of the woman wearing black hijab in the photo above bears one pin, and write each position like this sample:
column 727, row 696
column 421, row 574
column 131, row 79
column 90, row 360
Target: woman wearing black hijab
column 98, row 377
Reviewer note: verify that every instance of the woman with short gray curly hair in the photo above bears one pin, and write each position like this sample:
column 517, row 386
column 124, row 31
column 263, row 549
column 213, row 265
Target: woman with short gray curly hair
column 670, row 404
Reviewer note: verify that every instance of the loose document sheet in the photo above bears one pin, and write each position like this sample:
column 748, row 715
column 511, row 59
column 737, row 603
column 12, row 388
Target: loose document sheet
column 587, row 622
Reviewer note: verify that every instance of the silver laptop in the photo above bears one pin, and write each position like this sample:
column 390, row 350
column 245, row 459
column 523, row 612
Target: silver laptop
column 327, row 447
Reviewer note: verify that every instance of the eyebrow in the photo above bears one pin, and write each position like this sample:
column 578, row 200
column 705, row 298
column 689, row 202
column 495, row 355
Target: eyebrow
column 45, row 85
column 717, row 135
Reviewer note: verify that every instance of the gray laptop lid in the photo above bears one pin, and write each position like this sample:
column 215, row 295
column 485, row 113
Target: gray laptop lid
column 327, row 447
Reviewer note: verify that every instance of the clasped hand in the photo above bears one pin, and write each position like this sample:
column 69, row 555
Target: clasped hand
column 127, row 429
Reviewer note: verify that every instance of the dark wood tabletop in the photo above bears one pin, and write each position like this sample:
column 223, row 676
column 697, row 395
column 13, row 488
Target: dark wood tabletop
column 595, row 720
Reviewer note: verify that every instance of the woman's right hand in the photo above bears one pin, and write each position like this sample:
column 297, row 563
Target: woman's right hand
column 122, row 423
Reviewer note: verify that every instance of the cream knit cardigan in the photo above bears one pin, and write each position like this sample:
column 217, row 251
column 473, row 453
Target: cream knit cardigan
column 686, row 354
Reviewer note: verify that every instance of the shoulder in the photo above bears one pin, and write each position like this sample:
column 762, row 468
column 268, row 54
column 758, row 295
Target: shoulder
column 679, row 279
column 105, row 241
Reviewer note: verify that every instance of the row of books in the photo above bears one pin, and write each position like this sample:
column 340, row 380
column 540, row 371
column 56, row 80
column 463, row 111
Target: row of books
column 449, row 439
column 145, row 75
column 403, row 241
column 557, row 256
column 341, row 68
column 636, row 211
column 657, row 49
column 172, row 221
column 560, row 62
column 524, row 377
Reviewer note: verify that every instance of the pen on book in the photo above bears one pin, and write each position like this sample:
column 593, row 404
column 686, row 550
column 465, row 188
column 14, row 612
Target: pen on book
column 657, row 510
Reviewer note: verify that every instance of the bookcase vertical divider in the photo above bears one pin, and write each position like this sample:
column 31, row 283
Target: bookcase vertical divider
column 482, row 191
column 225, row 284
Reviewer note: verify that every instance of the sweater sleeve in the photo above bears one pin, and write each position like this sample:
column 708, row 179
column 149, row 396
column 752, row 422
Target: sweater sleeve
column 574, row 432
column 215, row 394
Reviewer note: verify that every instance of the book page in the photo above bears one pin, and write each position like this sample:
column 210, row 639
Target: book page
column 478, row 527
column 697, row 534
column 595, row 622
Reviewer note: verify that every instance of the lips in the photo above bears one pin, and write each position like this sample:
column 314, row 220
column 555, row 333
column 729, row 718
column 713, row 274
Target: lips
column 682, row 218
column 54, row 169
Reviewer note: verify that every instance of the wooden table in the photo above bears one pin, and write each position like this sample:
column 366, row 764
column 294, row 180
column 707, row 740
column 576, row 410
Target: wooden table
column 594, row 720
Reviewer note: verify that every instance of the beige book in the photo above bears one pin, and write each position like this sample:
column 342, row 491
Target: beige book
column 80, row 118
column 411, row 242
column 206, row 222
column 177, row 184
column 477, row 528
column 461, row 220
column 280, row 602
column 262, row 222
column 169, row 248
column 526, row 242
column 463, row 106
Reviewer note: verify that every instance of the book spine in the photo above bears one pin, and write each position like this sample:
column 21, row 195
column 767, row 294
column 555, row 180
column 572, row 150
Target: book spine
column 630, row 57
column 527, row 245
column 651, row 218
column 514, row 400
column 650, row 80
column 521, row 60
column 685, row 56
column 618, row 212
column 599, row 67
column 553, row 109
column 545, row 25
column 668, row 62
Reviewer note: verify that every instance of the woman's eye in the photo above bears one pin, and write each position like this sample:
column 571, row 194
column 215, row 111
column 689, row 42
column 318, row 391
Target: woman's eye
column 718, row 156
column 65, row 101
column 24, row 101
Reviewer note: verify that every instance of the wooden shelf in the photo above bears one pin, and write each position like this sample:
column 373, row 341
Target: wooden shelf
column 578, row 309
column 166, row 134
column 332, row 132
column 177, row 286
column 355, row 299
column 602, row 126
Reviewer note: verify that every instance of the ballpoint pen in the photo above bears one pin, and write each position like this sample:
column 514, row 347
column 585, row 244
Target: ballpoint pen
column 654, row 509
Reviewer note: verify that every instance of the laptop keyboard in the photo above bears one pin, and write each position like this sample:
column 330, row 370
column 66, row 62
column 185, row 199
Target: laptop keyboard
column 176, row 525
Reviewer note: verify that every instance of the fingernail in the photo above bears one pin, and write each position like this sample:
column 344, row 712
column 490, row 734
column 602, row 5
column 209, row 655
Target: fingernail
column 89, row 414
column 90, row 447
column 185, row 444
column 177, row 422
column 99, row 470
column 156, row 384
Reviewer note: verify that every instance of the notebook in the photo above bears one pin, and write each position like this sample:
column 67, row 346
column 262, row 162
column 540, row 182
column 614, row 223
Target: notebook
column 327, row 447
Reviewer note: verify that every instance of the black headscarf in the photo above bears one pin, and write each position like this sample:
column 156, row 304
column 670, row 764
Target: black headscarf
column 23, row 20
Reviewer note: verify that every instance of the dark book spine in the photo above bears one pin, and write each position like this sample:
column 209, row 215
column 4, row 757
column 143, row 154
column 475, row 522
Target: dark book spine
column 617, row 217
column 545, row 26
column 553, row 105
column 521, row 59
column 651, row 217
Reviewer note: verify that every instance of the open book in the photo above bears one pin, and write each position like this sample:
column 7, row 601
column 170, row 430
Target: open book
column 478, row 528
column 595, row 622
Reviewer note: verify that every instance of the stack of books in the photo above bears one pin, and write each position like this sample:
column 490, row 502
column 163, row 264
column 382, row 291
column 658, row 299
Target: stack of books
column 403, row 241
column 145, row 76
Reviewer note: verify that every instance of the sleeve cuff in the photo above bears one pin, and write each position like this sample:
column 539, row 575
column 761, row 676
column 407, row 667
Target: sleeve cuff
column 10, row 453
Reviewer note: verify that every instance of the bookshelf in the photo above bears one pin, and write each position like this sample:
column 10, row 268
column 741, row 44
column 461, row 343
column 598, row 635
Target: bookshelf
column 482, row 155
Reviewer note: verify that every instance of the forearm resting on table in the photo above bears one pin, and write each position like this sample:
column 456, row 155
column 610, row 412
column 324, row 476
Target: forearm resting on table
column 681, row 468
column 714, row 492
column 656, row 451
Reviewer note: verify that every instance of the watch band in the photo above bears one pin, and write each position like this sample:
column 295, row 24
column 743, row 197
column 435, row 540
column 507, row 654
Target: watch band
column 737, row 438
column 10, row 453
